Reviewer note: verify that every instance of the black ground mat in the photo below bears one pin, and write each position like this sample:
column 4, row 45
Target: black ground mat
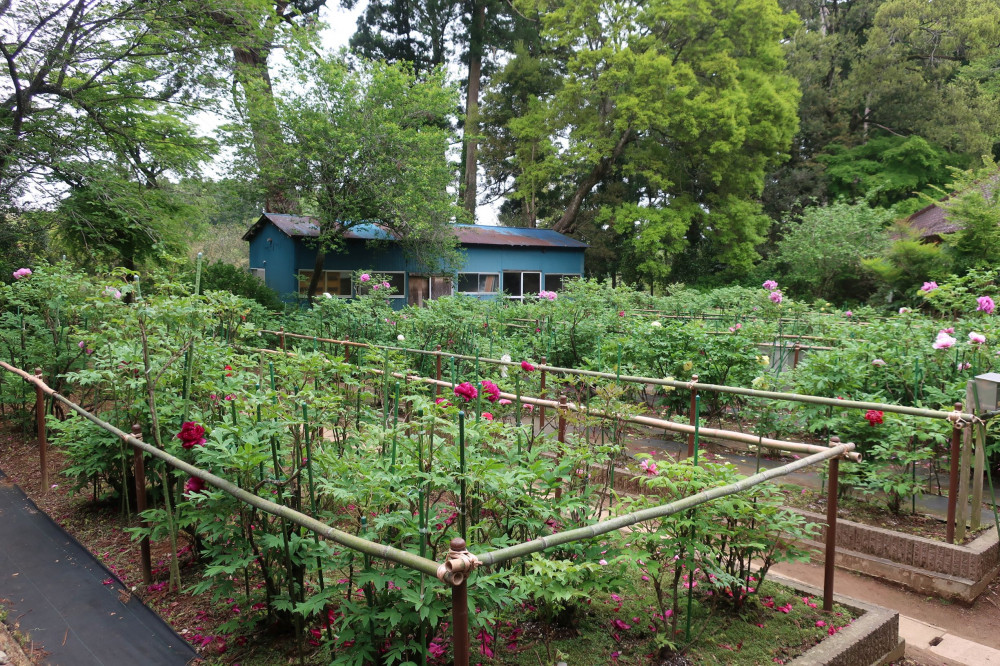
column 67, row 603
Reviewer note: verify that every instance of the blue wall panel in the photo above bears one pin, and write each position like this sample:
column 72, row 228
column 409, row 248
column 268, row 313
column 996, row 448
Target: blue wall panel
column 285, row 256
column 273, row 251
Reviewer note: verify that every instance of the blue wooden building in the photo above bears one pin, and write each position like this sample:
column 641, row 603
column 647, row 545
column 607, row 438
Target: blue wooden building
column 498, row 261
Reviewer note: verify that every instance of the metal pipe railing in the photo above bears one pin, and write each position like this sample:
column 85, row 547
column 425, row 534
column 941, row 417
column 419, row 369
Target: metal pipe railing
column 716, row 388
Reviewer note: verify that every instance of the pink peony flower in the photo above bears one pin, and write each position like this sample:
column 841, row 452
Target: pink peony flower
column 976, row 338
column 874, row 417
column 621, row 313
column 904, row 310
column 943, row 341
column 929, row 286
column 878, row 362
column 770, row 285
column 848, row 313
column 21, row 273
column 487, row 416
column 986, row 304
column 775, row 296
column 365, row 277
column 964, row 366
column 503, row 401
column 527, row 367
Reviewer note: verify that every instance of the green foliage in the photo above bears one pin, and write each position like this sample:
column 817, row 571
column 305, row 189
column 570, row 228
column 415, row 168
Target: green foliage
column 239, row 281
column 822, row 254
column 887, row 169
column 908, row 263
column 639, row 104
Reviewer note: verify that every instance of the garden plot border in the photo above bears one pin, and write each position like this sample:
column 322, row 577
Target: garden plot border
column 926, row 566
column 872, row 639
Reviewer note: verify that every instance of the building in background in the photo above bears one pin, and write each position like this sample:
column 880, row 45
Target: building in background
column 497, row 261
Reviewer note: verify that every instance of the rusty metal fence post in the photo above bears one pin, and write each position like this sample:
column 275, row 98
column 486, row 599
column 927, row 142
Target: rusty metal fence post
column 830, row 543
column 561, row 436
column 956, row 443
column 43, row 445
column 282, row 335
column 541, row 395
column 455, row 572
column 692, row 417
column 139, row 466
column 437, row 387
column 795, row 355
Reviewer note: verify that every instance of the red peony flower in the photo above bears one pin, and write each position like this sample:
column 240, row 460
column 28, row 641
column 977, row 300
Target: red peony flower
column 874, row 417
column 191, row 435
column 194, row 485
column 527, row 367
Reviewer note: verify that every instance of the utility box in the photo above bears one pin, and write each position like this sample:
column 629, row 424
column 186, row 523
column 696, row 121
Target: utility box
column 987, row 388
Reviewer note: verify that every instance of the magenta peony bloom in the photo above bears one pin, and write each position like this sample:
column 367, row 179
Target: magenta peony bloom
column 976, row 338
column 194, row 485
column 21, row 273
column 491, row 390
column 770, row 285
column 527, row 367
column 986, row 304
column 365, row 277
column 775, row 296
column 929, row 286
column 467, row 391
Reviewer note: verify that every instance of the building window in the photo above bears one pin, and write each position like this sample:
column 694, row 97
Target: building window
column 517, row 284
column 258, row 273
column 556, row 281
column 335, row 283
column 425, row 288
column 395, row 280
column 478, row 283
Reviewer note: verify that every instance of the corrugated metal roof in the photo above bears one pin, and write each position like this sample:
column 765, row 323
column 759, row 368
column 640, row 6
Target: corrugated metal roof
column 468, row 234
column 481, row 234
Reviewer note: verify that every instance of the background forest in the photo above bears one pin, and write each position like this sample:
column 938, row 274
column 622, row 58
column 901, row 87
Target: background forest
column 699, row 141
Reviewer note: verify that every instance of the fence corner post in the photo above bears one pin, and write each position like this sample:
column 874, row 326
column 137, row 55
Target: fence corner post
column 795, row 356
column 43, row 446
column 460, row 611
column 956, row 439
column 437, row 363
column 140, row 504
column 830, row 543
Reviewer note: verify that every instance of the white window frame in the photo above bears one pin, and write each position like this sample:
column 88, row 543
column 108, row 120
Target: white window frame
column 541, row 281
column 456, row 288
column 564, row 276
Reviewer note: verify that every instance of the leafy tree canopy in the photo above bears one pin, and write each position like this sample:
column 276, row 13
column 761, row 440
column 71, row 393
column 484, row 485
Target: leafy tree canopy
column 366, row 142
column 688, row 102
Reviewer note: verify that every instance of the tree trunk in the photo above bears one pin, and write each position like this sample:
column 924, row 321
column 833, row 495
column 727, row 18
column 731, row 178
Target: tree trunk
column 472, row 107
column 567, row 223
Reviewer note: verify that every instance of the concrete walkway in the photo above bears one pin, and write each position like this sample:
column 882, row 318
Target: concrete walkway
column 64, row 601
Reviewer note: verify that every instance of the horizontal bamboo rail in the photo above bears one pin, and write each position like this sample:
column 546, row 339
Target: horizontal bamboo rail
column 662, row 511
column 714, row 433
column 421, row 564
column 715, row 388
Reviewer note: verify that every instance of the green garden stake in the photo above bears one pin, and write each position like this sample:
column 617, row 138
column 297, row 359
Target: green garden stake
column 232, row 409
column 517, row 405
column 452, row 361
column 312, row 503
column 197, row 274
column 395, row 428
column 461, row 467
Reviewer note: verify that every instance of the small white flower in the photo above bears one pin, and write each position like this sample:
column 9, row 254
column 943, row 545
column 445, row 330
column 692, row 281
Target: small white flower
column 400, row 337
column 326, row 294
column 879, row 362
column 656, row 324
column 503, row 368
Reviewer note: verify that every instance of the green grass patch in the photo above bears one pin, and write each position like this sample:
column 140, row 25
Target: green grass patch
column 775, row 626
